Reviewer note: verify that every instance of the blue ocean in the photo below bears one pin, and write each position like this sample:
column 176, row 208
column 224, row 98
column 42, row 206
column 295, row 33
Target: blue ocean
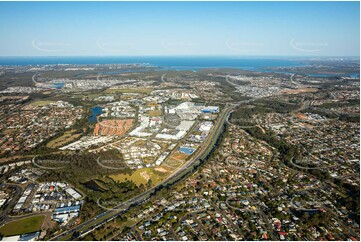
column 179, row 63
column 166, row 62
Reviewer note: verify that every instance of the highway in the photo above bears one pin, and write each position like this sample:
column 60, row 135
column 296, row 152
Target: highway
column 177, row 174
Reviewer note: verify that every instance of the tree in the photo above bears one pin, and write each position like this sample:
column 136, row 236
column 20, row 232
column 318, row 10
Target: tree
column 149, row 183
column 75, row 235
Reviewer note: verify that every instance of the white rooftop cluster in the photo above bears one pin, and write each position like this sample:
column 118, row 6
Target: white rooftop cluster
column 182, row 128
column 186, row 110
column 139, row 131
column 206, row 126
column 120, row 109
column 87, row 142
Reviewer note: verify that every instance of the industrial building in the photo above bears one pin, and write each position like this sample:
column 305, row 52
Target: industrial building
column 210, row 109
column 64, row 214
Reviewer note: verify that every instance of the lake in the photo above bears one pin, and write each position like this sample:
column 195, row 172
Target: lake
column 95, row 112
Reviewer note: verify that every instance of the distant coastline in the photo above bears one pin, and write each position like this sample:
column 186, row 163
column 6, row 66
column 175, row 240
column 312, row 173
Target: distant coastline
column 163, row 62
column 183, row 63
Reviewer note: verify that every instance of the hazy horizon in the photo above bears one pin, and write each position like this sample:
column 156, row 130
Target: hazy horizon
column 180, row 56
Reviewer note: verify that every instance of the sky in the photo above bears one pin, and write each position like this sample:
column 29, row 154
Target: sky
column 179, row 28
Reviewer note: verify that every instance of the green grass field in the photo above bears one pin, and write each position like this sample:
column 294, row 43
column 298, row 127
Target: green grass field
column 22, row 226
column 139, row 176
column 62, row 140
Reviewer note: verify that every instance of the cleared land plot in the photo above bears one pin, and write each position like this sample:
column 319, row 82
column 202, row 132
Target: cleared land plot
column 154, row 113
column 128, row 90
column 175, row 160
column 152, row 104
column 300, row 90
column 113, row 127
column 300, row 115
column 163, row 169
column 172, row 163
column 178, row 156
column 22, row 226
column 67, row 137
column 140, row 176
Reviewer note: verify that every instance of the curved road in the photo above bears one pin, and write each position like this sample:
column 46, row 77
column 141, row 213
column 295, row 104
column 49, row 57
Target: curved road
column 18, row 191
